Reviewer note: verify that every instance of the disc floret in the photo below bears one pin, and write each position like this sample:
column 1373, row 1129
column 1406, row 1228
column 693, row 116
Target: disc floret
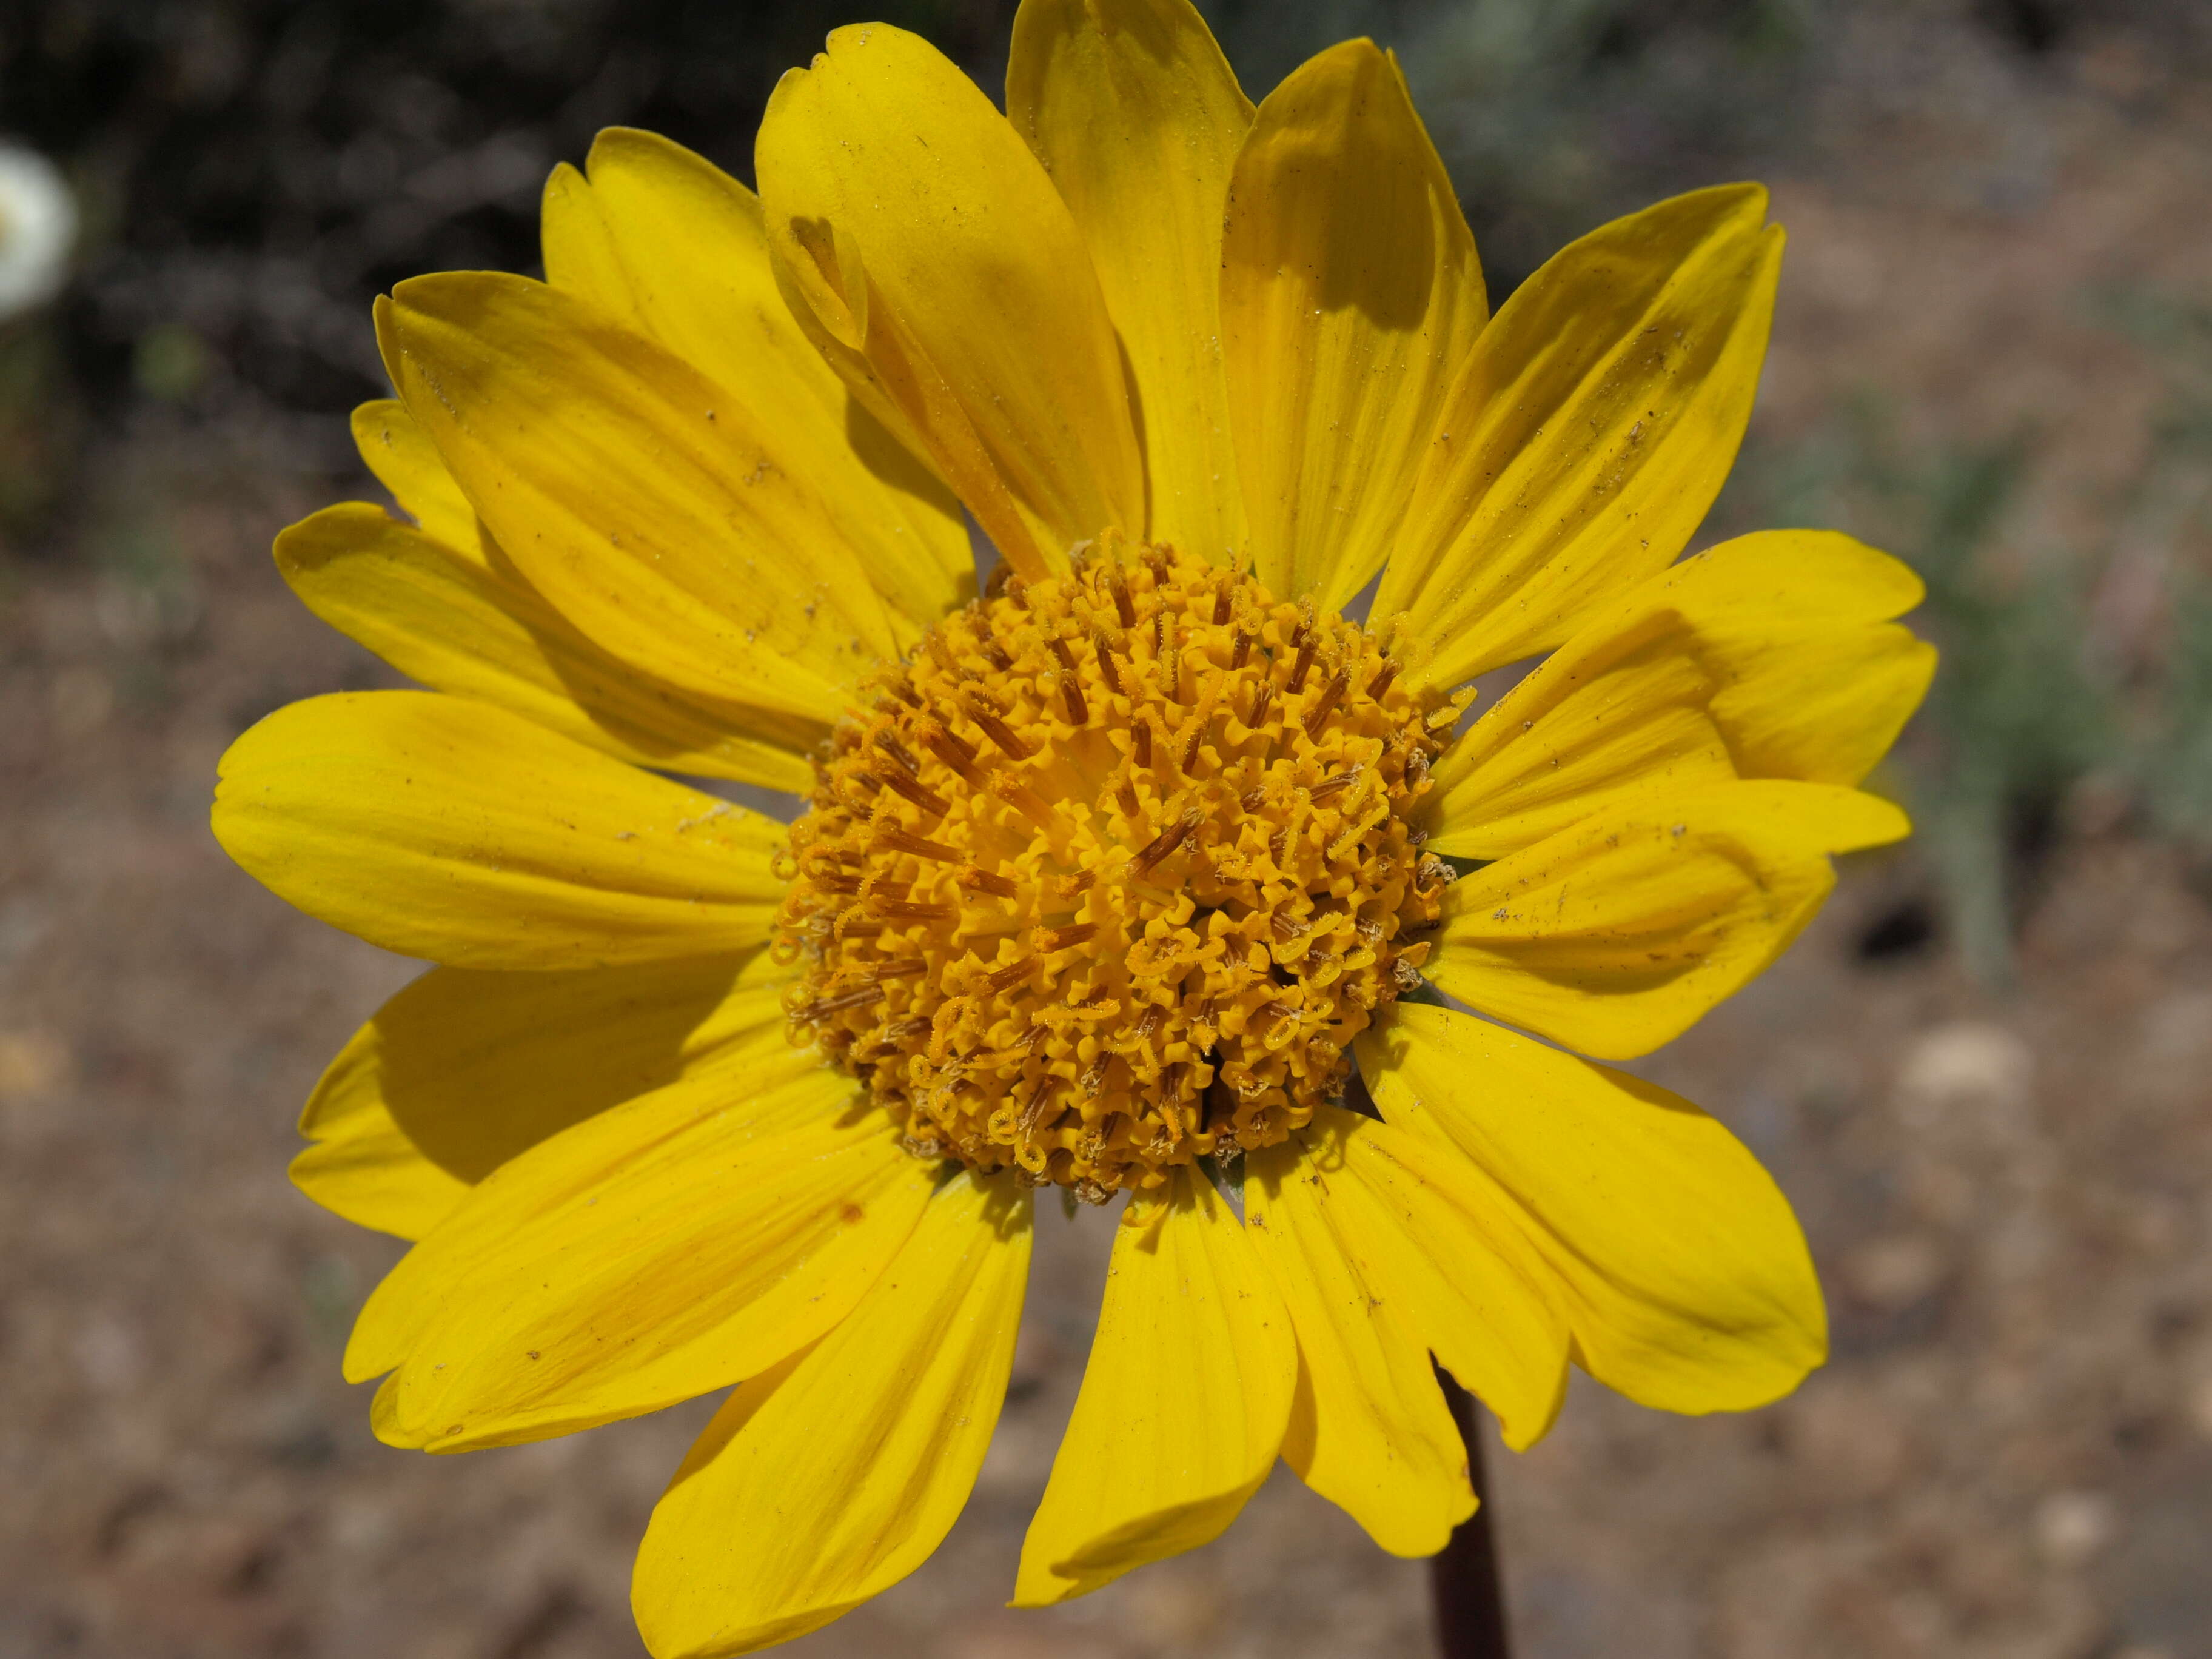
column 1109, row 873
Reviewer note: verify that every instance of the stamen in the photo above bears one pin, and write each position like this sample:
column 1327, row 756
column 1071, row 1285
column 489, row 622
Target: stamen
column 1332, row 694
column 891, row 839
column 1007, row 977
column 999, row 732
column 943, row 742
column 1329, row 786
column 956, row 756
column 859, row 997
column 909, row 910
column 1070, row 691
column 1165, row 842
column 891, row 746
column 928, row 800
column 1027, row 1121
column 1111, row 674
column 941, row 655
column 1025, row 800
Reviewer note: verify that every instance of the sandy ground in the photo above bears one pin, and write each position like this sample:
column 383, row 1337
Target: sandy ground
column 2010, row 1201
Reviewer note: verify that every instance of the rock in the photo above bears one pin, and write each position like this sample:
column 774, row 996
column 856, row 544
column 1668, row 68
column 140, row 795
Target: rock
column 2074, row 1527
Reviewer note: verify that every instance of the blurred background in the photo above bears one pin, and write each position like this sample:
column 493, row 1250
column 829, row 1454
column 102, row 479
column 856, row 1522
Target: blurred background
column 1985, row 1077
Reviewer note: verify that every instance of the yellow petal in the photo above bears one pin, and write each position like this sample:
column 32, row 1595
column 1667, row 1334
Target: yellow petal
column 1588, row 434
column 470, row 624
column 727, row 1113
column 671, row 1246
column 1825, row 703
column 463, row 1071
column 1620, row 932
column 406, row 463
column 364, row 1167
column 1133, row 111
column 1766, row 657
column 655, row 513
column 674, row 247
column 579, row 251
column 1368, row 1427
column 1426, row 1229
column 834, row 1475
column 1183, row 1405
column 1681, row 1269
column 1350, row 296
column 459, row 832
column 927, row 242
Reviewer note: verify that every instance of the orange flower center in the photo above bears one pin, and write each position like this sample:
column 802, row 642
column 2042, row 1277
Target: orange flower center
column 1112, row 872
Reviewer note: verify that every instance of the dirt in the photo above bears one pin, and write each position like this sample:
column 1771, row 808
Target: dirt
column 2010, row 1198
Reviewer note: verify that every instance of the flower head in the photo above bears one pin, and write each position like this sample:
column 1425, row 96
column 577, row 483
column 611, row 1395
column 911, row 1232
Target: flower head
column 1109, row 873
column 1137, row 915
column 38, row 230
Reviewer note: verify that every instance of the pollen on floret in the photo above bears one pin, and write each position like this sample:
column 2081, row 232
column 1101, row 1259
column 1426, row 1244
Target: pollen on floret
column 1109, row 874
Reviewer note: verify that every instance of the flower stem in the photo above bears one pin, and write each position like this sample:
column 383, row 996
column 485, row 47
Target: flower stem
column 1463, row 1582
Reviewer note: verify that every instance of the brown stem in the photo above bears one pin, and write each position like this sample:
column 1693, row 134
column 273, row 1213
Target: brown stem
column 1463, row 1580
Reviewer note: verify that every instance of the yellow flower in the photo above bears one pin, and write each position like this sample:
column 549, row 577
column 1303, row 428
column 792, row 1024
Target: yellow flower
column 1108, row 872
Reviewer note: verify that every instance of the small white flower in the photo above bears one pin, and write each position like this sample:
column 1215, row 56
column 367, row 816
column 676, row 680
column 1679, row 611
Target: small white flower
column 38, row 229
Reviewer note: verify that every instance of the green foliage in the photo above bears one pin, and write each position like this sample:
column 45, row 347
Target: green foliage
column 2029, row 704
column 2166, row 516
column 1556, row 115
column 2017, row 716
column 2019, row 713
column 2178, row 770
